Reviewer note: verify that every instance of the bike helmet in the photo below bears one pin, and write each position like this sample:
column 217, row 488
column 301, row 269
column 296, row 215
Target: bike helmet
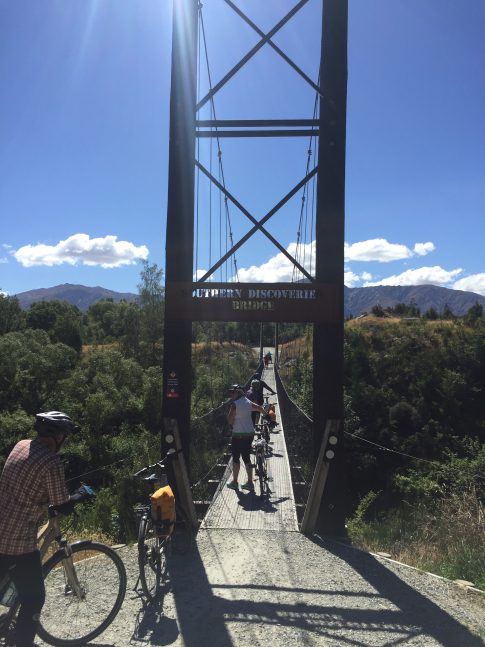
column 54, row 422
column 255, row 384
column 235, row 387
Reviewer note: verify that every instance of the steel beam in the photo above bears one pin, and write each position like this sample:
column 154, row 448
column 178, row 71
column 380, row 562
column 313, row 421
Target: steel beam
column 180, row 215
column 256, row 123
column 257, row 133
column 330, row 214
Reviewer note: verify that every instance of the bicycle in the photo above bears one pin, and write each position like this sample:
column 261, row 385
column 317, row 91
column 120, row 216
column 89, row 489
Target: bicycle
column 261, row 467
column 77, row 609
column 264, row 429
column 157, row 539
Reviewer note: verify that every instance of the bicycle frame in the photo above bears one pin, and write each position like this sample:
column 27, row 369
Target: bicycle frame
column 47, row 535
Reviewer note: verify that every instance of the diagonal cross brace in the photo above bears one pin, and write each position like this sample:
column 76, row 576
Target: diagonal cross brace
column 274, row 46
column 255, row 222
column 258, row 224
column 250, row 54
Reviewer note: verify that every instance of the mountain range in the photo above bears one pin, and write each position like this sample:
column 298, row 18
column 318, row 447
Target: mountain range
column 356, row 300
column 77, row 295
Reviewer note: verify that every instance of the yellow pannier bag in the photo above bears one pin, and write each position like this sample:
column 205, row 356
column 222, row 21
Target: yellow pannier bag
column 163, row 510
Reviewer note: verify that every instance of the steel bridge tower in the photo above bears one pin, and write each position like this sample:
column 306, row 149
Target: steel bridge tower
column 325, row 307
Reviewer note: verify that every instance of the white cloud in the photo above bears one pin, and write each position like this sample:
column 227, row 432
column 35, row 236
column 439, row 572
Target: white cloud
column 421, row 249
column 350, row 279
column 421, row 276
column 3, row 260
column 473, row 283
column 376, row 249
column 279, row 269
column 200, row 273
column 107, row 252
column 6, row 246
column 381, row 250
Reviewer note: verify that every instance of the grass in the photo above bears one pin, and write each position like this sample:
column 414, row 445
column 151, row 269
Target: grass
column 445, row 537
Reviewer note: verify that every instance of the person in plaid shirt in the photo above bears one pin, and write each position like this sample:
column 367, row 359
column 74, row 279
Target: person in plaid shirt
column 32, row 479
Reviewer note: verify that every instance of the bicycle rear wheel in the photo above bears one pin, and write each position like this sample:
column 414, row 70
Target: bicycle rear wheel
column 69, row 620
column 151, row 557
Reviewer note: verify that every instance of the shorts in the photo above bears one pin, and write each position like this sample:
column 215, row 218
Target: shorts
column 242, row 447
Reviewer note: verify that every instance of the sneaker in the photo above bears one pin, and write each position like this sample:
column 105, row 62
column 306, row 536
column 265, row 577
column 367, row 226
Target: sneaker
column 248, row 486
column 233, row 485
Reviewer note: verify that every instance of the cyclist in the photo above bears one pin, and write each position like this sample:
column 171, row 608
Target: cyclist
column 32, row 478
column 239, row 418
column 255, row 394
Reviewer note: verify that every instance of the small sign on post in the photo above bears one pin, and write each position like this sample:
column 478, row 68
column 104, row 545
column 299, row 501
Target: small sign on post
column 173, row 385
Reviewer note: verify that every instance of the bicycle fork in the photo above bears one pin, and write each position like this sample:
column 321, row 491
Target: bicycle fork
column 72, row 584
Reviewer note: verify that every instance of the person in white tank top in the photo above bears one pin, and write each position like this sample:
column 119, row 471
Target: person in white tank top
column 239, row 418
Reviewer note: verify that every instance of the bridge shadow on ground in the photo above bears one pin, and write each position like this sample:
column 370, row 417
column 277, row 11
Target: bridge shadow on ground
column 428, row 617
column 223, row 603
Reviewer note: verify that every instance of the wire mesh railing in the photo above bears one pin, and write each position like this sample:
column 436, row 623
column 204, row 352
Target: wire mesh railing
column 299, row 442
column 209, row 451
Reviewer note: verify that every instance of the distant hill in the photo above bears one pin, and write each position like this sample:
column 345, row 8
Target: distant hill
column 78, row 295
column 357, row 300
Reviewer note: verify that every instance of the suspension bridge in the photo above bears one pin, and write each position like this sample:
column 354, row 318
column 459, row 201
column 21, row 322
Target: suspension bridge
column 213, row 219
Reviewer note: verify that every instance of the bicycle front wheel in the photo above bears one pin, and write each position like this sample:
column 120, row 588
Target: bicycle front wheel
column 71, row 619
column 261, row 471
column 151, row 557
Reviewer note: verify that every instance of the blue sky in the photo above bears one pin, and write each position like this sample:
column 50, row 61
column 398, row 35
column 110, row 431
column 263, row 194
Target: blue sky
column 84, row 89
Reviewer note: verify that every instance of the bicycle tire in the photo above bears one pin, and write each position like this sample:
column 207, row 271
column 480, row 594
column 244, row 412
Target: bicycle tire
column 183, row 535
column 69, row 623
column 151, row 557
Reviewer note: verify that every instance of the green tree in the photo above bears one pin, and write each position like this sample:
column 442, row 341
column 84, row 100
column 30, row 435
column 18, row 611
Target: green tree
column 474, row 314
column 11, row 314
column 152, row 312
column 431, row 314
column 377, row 310
column 30, row 368
column 61, row 320
column 447, row 313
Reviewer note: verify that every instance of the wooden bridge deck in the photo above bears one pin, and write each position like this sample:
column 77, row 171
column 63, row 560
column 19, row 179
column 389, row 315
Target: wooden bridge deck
column 245, row 510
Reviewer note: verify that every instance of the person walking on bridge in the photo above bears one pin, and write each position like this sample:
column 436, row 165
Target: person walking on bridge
column 256, row 395
column 239, row 419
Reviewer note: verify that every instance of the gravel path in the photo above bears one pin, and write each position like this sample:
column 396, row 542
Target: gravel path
column 253, row 588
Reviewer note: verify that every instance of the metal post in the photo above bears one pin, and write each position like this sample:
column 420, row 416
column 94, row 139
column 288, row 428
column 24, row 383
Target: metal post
column 276, row 344
column 328, row 337
column 180, row 216
column 260, row 344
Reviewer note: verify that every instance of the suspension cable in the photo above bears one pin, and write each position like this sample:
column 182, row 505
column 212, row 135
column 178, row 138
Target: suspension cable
column 219, row 150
